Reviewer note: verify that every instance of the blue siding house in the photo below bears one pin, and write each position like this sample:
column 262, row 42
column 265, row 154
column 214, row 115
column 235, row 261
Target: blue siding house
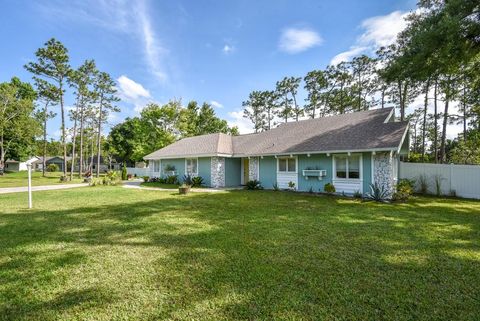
column 350, row 151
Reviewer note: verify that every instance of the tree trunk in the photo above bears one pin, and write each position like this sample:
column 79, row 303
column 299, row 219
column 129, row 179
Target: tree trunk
column 64, row 138
column 74, row 138
column 2, row 155
column 383, row 97
column 425, row 120
column 296, row 109
column 80, row 163
column 444, row 126
column 435, row 121
column 44, row 161
column 99, row 139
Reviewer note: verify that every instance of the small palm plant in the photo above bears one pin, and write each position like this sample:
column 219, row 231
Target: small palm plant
column 377, row 193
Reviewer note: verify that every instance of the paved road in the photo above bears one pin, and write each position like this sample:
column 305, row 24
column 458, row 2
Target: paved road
column 7, row 190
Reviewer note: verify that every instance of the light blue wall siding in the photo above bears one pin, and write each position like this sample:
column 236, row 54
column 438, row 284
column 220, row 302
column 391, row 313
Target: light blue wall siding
column 233, row 171
column 204, row 169
column 268, row 171
column 320, row 161
column 179, row 164
column 367, row 171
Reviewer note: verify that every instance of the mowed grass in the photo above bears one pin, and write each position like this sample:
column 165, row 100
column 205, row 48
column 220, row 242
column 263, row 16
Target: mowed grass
column 110, row 253
column 159, row 185
column 19, row 179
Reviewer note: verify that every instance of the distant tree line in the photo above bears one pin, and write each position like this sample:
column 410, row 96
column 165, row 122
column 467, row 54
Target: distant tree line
column 158, row 126
column 437, row 57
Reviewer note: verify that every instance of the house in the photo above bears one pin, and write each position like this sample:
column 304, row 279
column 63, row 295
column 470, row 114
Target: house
column 12, row 165
column 106, row 163
column 351, row 151
column 57, row 160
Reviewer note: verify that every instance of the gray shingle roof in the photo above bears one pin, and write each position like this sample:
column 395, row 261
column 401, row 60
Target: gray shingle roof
column 358, row 131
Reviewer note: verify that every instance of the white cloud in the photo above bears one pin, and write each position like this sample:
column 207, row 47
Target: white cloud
column 295, row 40
column 132, row 92
column 131, row 89
column 378, row 31
column 347, row 55
column 122, row 16
column 153, row 50
column 216, row 104
column 237, row 119
column 227, row 49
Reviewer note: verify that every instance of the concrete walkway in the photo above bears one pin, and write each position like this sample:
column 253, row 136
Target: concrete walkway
column 136, row 184
column 7, row 190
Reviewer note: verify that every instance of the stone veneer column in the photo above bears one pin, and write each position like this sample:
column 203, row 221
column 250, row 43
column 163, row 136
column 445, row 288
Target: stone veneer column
column 217, row 169
column 383, row 172
column 253, row 165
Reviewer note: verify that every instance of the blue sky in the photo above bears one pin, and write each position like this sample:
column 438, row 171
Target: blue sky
column 214, row 51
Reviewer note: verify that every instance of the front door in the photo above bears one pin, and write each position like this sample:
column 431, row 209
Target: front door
column 245, row 170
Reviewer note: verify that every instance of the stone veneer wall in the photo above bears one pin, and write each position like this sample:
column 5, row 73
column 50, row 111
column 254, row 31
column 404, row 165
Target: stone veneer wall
column 217, row 169
column 253, row 165
column 384, row 172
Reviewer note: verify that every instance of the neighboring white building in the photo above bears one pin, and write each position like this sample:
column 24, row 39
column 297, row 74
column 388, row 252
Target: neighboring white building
column 17, row 166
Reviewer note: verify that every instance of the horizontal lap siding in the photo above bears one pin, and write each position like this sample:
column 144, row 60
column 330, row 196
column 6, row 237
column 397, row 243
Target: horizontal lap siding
column 204, row 169
column 179, row 164
column 284, row 178
column 347, row 187
column 268, row 172
column 233, row 171
column 322, row 161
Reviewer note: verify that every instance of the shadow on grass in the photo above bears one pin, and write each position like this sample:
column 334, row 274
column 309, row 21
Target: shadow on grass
column 249, row 255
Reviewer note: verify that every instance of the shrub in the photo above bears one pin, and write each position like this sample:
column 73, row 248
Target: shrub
column 95, row 182
column 403, row 190
column 146, row 179
column 110, row 178
column 52, row 168
column 377, row 193
column 357, row 194
column 171, row 179
column 63, row 178
column 197, row 181
column 253, row 185
column 291, row 185
column 124, row 172
column 275, row 187
column 422, row 184
column 329, row 188
column 187, row 180
column 438, row 184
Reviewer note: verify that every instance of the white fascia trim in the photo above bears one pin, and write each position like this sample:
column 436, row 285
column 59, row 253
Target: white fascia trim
column 390, row 115
column 188, row 156
column 388, row 149
column 403, row 139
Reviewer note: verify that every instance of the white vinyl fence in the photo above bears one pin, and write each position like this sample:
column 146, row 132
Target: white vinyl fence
column 461, row 180
column 140, row 172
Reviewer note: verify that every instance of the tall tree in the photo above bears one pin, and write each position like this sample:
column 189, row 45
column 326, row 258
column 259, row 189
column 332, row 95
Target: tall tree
column 48, row 95
column 363, row 68
column 105, row 91
column 53, row 64
column 254, row 110
column 81, row 80
column 316, row 83
column 18, row 127
column 282, row 89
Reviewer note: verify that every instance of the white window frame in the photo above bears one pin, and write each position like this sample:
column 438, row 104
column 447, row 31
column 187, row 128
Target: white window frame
column 335, row 178
column 186, row 167
column 287, row 172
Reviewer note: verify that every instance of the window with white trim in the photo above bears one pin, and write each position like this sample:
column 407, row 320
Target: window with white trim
column 287, row 165
column 347, row 167
column 191, row 166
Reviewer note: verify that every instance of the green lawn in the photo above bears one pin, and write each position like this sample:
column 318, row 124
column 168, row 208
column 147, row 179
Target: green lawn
column 109, row 253
column 18, row 179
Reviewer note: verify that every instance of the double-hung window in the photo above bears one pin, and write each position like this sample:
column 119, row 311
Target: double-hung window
column 347, row 167
column 287, row 165
column 191, row 166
